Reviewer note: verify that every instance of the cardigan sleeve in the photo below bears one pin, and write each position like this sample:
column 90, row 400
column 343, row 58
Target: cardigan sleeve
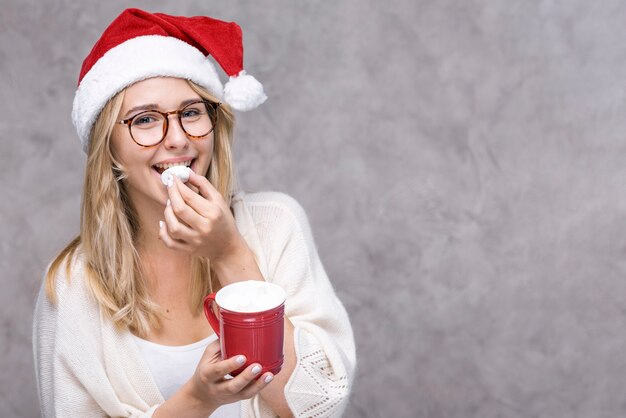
column 321, row 381
column 67, row 348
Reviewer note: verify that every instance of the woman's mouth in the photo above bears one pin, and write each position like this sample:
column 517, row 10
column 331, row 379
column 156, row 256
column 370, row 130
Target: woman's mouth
column 160, row 168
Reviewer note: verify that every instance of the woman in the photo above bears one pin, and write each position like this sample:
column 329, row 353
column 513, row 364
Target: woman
column 119, row 328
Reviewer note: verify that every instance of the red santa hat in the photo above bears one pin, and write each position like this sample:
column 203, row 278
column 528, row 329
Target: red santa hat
column 138, row 45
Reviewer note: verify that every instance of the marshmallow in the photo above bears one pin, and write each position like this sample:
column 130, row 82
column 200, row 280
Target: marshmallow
column 179, row 171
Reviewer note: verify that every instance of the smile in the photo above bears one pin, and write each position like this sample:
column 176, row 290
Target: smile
column 160, row 168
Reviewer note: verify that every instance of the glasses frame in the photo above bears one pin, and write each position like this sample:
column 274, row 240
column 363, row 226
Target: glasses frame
column 166, row 121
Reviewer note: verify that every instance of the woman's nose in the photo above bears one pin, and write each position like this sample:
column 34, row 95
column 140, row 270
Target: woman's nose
column 175, row 136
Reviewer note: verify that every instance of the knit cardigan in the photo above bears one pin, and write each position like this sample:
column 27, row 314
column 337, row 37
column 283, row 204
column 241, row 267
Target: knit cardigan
column 87, row 367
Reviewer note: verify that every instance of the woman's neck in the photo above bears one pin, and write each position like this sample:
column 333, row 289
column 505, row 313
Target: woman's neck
column 167, row 272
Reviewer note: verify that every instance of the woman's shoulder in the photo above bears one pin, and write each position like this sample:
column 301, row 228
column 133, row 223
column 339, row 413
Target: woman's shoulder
column 65, row 277
column 276, row 216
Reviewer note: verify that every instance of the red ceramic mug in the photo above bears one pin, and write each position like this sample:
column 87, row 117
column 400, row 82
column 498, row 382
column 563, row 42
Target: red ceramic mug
column 250, row 321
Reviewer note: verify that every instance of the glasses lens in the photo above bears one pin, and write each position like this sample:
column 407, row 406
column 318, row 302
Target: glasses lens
column 198, row 119
column 147, row 128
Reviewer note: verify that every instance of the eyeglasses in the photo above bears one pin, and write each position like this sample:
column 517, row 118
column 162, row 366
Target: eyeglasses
column 149, row 128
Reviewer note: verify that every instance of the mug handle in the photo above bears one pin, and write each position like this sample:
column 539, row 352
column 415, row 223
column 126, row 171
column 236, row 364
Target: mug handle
column 210, row 315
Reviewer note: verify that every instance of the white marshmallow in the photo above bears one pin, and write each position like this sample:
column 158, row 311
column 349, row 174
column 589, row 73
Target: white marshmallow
column 179, row 171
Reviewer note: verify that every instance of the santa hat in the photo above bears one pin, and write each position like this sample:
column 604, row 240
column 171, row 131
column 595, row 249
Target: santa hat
column 138, row 45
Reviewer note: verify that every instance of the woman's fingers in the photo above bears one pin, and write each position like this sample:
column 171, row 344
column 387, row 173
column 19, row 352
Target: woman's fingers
column 211, row 371
column 193, row 199
column 186, row 204
column 253, row 388
column 221, row 368
column 207, row 227
column 245, row 384
column 170, row 242
column 175, row 228
column 230, row 365
column 205, row 187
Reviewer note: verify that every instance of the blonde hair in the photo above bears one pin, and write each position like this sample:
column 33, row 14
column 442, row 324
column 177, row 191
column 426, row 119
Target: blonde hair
column 109, row 227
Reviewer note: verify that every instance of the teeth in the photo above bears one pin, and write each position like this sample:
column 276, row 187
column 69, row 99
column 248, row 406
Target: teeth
column 168, row 165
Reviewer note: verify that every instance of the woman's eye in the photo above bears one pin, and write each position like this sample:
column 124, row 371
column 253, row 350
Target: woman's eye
column 190, row 113
column 143, row 120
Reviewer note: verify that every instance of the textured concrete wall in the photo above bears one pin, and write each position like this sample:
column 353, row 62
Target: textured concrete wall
column 462, row 164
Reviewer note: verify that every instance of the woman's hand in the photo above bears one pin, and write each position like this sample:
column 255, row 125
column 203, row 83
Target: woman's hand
column 199, row 224
column 208, row 389
column 209, row 386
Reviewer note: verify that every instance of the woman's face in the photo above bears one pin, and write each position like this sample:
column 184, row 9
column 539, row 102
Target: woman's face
column 144, row 165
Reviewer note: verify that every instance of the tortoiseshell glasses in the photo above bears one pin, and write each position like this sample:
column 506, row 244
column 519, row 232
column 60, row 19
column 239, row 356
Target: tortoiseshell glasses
column 149, row 128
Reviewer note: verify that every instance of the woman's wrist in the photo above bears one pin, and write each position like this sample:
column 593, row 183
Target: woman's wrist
column 236, row 265
column 184, row 404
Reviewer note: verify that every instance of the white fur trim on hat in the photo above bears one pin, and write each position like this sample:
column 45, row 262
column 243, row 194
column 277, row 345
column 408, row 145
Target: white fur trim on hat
column 134, row 60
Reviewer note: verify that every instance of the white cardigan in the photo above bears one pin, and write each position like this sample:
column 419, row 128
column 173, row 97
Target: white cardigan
column 85, row 367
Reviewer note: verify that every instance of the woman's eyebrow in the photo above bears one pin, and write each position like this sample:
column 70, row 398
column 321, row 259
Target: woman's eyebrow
column 154, row 106
column 150, row 106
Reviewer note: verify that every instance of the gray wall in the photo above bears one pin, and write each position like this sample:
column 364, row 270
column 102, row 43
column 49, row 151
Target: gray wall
column 462, row 164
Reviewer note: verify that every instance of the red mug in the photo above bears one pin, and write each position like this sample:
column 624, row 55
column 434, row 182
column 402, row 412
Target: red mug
column 250, row 321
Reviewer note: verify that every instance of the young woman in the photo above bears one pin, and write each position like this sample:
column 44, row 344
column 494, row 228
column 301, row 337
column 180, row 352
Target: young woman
column 119, row 328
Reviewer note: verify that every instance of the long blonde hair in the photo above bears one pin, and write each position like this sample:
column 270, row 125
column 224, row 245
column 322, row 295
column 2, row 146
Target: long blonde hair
column 109, row 227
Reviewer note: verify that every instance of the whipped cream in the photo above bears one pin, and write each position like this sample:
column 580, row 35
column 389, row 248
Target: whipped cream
column 250, row 296
column 179, row 171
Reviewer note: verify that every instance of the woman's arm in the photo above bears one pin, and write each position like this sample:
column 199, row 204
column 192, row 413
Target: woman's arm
column 207, row 389
column 208, row 228
column 325, row 357
column 60, row 391
column 319, row 351
column 241, row 265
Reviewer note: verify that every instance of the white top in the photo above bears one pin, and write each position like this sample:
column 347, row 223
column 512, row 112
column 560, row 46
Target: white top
column 173, row 365
column 87, row 367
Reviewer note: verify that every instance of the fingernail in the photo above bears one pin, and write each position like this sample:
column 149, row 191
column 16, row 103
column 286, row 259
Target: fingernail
column 268, row 378
column 160, row 224
column 256, row 369
column 241, row 359
column 167, row 203
column 170, row 182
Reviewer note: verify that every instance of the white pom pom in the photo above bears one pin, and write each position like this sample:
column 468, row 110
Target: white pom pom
column 243, row 92
column 179, row 171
